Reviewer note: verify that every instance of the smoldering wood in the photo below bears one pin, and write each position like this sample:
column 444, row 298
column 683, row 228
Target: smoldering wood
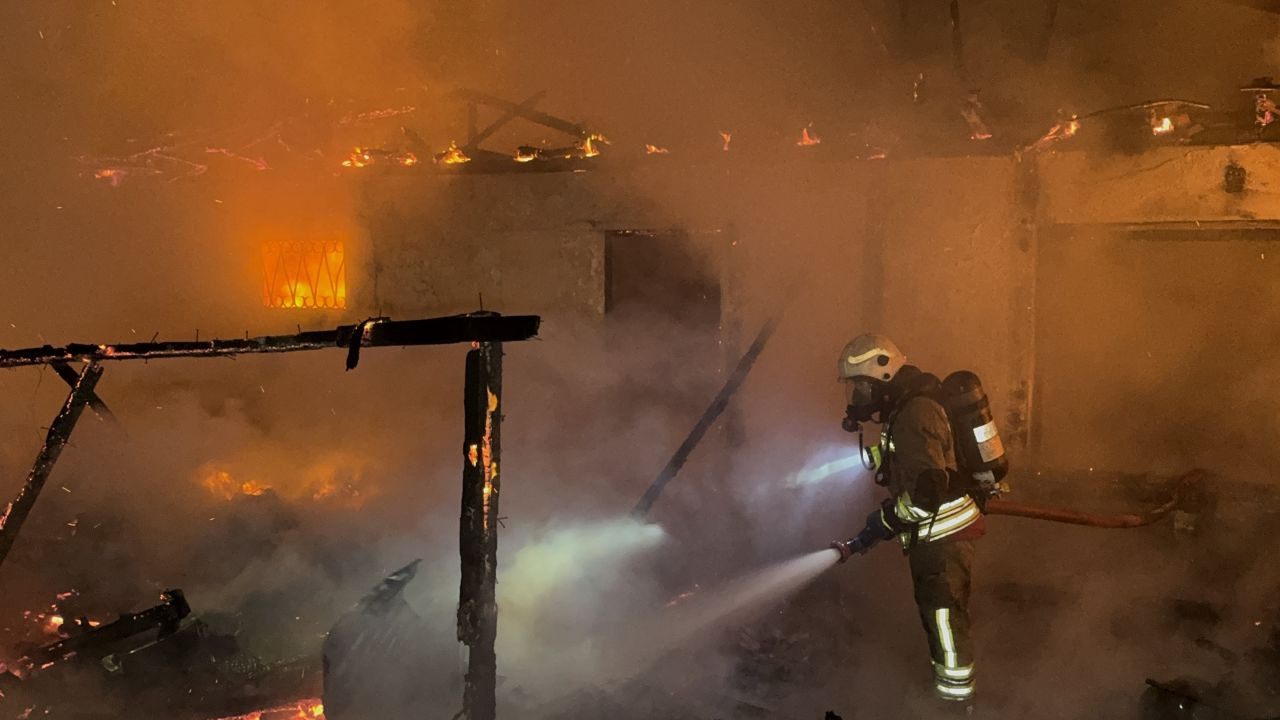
column 533, row 116
column 478, row 528
column 97, row 643
column 374, row 333
column 15, row 515
column 708, row 418
column 71, row 377
column 475, row 137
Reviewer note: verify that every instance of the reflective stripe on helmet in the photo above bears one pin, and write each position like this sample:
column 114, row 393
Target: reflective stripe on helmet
column 863, row 357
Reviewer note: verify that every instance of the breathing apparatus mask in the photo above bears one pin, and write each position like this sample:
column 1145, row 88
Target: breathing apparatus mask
column 867, row 400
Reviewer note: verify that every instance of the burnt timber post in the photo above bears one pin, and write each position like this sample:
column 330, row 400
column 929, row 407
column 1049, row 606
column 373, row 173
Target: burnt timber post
column 478, row 528
column 15, row 514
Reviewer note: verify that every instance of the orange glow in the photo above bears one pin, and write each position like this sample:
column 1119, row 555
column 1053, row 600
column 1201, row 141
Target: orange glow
column 408, row 159
column 526, row 154
column 359, row 158
column 807, row 138
column 308, row 709
column 588, row 149
column 725, row 138
column 299, row 274
column 223, row 485
column 1162, row 126
column 453, row 155
column 53, row 624
column 655, row 150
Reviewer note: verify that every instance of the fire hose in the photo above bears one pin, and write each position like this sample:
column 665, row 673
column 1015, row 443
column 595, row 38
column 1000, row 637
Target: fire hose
column 1075, row 517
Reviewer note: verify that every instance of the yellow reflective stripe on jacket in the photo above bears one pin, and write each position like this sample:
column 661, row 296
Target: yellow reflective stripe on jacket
column 951, row 518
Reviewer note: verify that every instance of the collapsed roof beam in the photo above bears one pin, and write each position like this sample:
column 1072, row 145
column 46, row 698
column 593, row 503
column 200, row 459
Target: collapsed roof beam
column 376, row 332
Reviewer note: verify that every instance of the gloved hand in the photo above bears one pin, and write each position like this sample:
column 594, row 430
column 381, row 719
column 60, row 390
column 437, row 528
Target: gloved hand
column 987, row 485
column 872, row 533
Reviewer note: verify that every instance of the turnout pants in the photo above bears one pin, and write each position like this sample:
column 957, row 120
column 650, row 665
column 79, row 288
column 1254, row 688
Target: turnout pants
column 940, row 574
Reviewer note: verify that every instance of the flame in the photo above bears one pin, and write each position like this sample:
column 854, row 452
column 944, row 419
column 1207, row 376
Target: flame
column 300, row 274
column 112, row 175
column 53, row 624
column 1066, row 127
column 807, row 139
column 221, row 484
column 526, row 154
column 1162, row 127
column 724, row 140
column 453, row 155
column 407, row 159
column 307, row 709
column 588, row 146
column 655, row 150
column 359, row 158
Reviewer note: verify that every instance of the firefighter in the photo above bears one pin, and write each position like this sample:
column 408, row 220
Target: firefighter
column 933, row 510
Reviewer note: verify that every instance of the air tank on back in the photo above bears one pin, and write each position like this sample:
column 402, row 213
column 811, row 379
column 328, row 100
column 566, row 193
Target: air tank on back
column 977, row 439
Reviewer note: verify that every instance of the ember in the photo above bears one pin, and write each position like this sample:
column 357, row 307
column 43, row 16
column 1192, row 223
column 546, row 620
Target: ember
column 807, row 138
column 655, row 150
column 452, row 156
column 308, row 709
column 588, row 145
column 725, row 138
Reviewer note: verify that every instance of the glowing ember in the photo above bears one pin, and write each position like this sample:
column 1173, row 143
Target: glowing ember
column 308, row 709
column 1161, row 126
column 359, row 158
column 588, row 148
column 407, row 160
column 112, row 175
column 221, row 484
column 807, row 138
column 1066, row 127
column 452, row 156
column 724, row 140
column 525, row 154
column 655, row 150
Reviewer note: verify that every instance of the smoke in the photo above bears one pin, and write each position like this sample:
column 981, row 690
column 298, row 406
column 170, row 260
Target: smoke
column 358, row 471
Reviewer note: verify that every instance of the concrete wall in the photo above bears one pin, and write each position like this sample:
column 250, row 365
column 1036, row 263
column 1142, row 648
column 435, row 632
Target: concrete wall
column 939, row 253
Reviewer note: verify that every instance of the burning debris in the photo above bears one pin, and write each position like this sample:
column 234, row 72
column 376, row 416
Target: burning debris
column 808, row 139
column 452, row 155
column 655, row 150
column 365, row 157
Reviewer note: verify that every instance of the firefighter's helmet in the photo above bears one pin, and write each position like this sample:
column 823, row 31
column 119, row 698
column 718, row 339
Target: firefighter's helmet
column 870, row 356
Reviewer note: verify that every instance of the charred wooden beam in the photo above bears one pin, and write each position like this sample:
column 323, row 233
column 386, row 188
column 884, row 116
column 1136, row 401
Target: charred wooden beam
column 476, row 137
column 534, row 116
column 97, row 643
column 70, row 377
column 717, row 406
column 478, row 528
column 372, row 333
column 16, row 513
